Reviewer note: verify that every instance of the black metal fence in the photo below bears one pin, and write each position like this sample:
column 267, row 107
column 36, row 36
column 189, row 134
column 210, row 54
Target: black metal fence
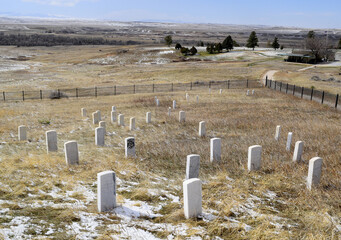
column 126, row 89
column 304, row 93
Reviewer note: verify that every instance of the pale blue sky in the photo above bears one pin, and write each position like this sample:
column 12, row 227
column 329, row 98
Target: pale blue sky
column 300, row 13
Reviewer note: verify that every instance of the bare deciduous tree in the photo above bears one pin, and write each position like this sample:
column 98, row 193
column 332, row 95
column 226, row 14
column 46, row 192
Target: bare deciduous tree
column 319, row 49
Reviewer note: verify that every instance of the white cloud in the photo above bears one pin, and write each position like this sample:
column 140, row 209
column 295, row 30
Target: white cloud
column 63, row 3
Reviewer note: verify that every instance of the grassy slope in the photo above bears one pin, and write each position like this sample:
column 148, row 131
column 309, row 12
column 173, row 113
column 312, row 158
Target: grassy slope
column 274, row 202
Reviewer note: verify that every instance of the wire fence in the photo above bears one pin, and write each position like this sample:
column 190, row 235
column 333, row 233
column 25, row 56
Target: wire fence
column 305, row 93
column 126, row 89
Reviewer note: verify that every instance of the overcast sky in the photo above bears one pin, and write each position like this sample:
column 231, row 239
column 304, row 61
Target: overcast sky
column 300, row 13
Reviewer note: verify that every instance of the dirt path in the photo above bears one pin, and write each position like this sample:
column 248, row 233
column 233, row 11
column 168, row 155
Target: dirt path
column 270, row 75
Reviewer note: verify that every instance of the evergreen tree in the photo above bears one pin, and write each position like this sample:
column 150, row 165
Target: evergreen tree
column 311, row 34
column 228, row 43
column 218, row 47
column 178, row 46
column 193, row 50
column 210, row 48
column 275, row 43
column 339, row 46
column 252, row 42
column 184, row 51
column 168, row 40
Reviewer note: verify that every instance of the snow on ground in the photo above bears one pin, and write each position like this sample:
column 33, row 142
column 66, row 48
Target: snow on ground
column 8, row 66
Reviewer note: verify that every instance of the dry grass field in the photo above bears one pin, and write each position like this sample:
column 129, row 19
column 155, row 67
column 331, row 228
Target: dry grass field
column 43, row 198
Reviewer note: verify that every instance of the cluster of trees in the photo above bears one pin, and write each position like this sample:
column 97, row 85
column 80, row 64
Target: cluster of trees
column 227, row 44
column 315, row 44
column 186, row 51
column 54, row 40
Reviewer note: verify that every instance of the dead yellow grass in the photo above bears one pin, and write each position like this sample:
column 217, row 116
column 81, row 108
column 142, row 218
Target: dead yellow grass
column 228, row 190
column 303, row 78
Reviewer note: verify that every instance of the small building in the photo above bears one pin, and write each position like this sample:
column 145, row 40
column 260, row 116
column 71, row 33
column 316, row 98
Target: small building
column 303, row 56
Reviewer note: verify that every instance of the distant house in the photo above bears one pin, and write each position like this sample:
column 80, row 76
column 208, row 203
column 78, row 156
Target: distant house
column 306, row 56
column 300, row 56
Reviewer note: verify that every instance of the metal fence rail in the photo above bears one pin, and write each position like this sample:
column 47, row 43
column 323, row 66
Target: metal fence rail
column 304, row 93
column 126, row 89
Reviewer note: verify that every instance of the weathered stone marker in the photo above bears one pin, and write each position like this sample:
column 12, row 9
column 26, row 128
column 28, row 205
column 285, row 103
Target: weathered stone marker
column 289, row 139
column 130, row 147
column 99, row 115
column 148, row 117
column 157, row 102
column 106, row 191
column 202, row 129
column 120, row 120
column 247, row 92
column 71, row 152
column 113, row 108
column 253, row 92
column 197, row 98
column 220, row 91
column 113, row 117
column 254, row 158
column 51, row 141
column 314, row 172
column 278, row 132
column 99, row 136
column 187, row 97
column 182, row 116
column 215, row 150
column 83, row 112
column 209, row 90
column 192, row 198
column 22, row 133
column 103, row 125
column 174, row 104
column 132, row 124
column 192, row 166
column 95, row 118
column 169, row 111
column 298, row 151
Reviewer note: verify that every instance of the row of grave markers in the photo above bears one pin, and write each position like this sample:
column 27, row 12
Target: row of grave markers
column 192, row 186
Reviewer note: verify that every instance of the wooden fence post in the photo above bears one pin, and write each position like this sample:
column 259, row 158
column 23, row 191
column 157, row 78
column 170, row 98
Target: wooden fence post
column 293, row 91
column 302, row 92
column 280, row 87
column 286, row 91
column 3, row 95
column 322, row 99
column 191, row 85
column 228, row 84
column 311, row 95
column 336, row 100
column 95, row 91
column 134, row 89
column 153, row 87
column 172, row 87
column 23, row 95
column 115, row 90
column 41, row 94
column 247, row 83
